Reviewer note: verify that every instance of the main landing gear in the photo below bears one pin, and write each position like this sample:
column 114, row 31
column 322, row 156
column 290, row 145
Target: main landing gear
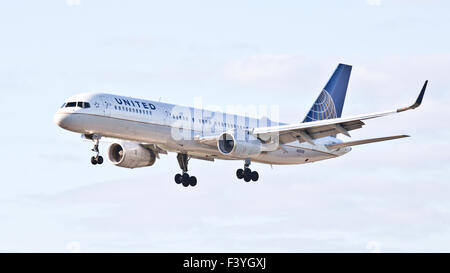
column 247, row 173
column 97, row 159
column 184, row 178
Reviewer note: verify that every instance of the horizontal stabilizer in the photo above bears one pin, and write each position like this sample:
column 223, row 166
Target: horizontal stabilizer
column 363, row 141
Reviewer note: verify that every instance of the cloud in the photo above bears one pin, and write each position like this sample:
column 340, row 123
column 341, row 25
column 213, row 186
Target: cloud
column 373, row 246
column 72, row 3
column 267, row 67
column 373, row 2
column 287, row 212
column 360, row 202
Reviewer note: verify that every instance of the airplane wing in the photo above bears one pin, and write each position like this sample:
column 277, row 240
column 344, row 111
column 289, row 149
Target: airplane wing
column 154, row 147
column 308, row 131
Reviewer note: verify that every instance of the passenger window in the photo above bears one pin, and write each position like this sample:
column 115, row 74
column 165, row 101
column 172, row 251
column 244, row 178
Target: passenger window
column 71, row 104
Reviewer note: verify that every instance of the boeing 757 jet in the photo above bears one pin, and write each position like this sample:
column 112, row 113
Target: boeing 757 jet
column 141, row 130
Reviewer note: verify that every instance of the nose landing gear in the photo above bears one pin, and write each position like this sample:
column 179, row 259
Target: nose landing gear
column 97, row 159
column 247, row 174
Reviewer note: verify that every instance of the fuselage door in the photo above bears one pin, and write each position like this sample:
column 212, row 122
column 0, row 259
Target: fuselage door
column 106, row 105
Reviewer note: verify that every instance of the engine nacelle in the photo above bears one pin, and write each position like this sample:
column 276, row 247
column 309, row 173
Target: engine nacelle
column 229, row 145
column 130, row 155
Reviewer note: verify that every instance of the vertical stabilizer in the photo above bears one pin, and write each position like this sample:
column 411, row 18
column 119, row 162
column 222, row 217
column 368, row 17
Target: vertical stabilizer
column 330, row 102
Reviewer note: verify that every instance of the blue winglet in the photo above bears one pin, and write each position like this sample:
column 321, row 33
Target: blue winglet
column 418, row 101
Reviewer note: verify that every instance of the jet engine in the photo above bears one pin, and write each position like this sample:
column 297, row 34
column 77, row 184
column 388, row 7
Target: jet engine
column 229, row 145
column 131, row 155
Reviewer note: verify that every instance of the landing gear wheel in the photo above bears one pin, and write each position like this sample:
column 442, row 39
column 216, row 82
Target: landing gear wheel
column 178, row 178
column 255, row 176
column 240, row 173
column 185, row 183
column 184, row 179
column 247, row 175
column 192, row 181
column 96, row 159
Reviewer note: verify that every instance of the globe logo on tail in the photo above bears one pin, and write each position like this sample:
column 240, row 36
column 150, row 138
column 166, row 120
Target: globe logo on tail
column 323, row 108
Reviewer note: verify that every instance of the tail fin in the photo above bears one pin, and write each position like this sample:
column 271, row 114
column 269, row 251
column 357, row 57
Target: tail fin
column 330, row 102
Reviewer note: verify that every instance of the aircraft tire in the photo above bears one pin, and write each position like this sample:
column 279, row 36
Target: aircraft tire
column 178, row 178
column 193, row 181
column 240, row 173
column 255, row 176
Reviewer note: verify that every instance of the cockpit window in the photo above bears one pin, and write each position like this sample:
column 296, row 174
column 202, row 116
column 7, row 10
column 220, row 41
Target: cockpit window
column 64, row 104
column 80, row 104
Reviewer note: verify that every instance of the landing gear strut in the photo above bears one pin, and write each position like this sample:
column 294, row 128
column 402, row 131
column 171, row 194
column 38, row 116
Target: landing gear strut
column 184, row 178
column 97, row 159
column 247, row 173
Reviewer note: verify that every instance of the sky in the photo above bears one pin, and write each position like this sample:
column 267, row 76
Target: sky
column 383, row 197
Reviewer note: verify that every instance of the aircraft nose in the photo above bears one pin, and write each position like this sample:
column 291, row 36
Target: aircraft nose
column 62, row 120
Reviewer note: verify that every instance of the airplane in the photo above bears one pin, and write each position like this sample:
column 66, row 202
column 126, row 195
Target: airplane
column 141, row 130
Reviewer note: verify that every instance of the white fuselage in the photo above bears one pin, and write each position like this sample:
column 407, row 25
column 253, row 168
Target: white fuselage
column 177, row 128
